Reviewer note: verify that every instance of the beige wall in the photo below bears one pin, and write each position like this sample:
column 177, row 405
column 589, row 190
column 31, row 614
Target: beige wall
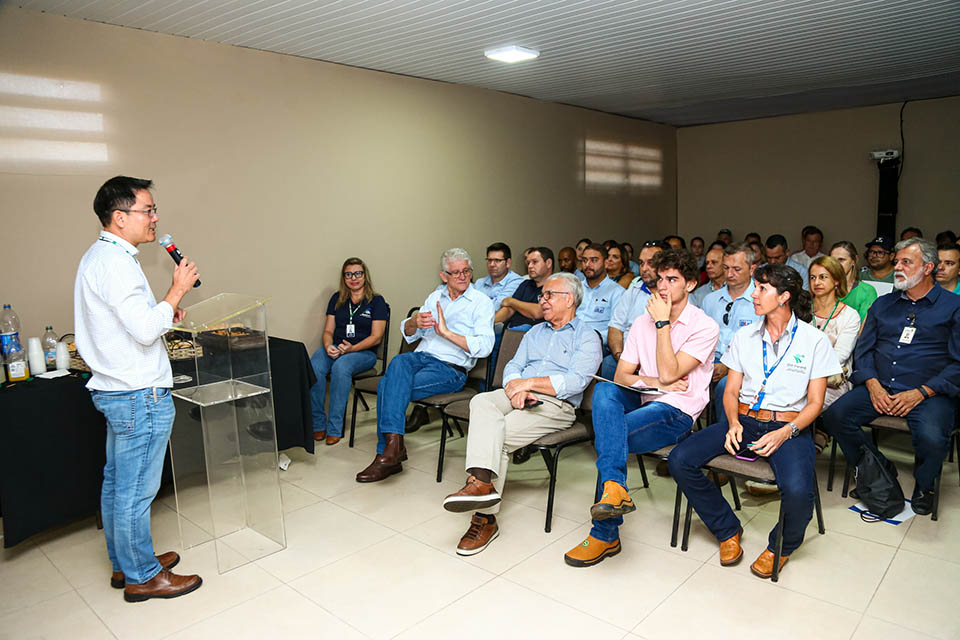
column 271, row 169
column 776, row 175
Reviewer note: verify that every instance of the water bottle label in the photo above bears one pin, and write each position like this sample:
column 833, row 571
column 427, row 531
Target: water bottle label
column 51, row 358
column 17, row 370
column 6, row 340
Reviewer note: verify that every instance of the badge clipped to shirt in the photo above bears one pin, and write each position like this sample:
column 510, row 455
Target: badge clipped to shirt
column 907, row 336
column 351, row 330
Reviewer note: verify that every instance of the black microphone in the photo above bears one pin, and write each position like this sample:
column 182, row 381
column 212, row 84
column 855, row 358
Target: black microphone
column 167, row 243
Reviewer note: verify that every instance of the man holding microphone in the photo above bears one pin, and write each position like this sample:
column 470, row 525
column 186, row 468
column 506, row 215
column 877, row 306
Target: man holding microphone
column 118, row 326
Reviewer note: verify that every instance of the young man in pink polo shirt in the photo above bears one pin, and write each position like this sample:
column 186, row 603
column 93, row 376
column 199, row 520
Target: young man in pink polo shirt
column 669, row 347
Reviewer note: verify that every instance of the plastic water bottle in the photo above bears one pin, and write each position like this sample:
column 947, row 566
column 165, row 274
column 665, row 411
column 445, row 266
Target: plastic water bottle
column 9, row 330
column 49, row 344
column 17, row 367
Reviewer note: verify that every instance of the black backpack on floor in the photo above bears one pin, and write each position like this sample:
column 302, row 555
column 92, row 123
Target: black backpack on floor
column 877, row 485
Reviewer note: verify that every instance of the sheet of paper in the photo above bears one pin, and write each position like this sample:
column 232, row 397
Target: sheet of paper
column 57, row 373
column 647, row 391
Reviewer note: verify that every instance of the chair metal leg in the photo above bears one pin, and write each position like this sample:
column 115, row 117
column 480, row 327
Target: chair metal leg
column 876, row 437
column 687, row 519
column 956, row 440
column 936, row 499
column 643, row 471
column 353, row 418
column 953, row 438
column 99, row 519
column 551, row 461
column 817, row 505
column 735, row 492
column 444, row 428
column 778, row 552
column 833, row 462
column 676, row 518
column 456, row 423
column 846, row 480
column 363, row 401
column 598, row 492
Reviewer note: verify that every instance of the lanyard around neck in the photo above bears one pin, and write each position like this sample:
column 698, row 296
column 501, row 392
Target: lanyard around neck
column 102, row 239
column 829, row 318
column 769, row 372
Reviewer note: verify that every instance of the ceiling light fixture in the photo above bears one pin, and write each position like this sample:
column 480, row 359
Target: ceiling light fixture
column 511, row 54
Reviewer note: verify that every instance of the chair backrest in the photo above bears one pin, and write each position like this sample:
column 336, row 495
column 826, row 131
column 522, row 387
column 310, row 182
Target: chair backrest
column 384, row 346
column 407, row 347
column 508, row 349
column 586, row 405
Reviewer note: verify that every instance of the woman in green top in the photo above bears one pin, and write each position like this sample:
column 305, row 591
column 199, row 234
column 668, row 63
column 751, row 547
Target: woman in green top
column 861, row 294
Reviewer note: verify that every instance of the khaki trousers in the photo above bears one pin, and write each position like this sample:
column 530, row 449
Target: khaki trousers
column 497, row 430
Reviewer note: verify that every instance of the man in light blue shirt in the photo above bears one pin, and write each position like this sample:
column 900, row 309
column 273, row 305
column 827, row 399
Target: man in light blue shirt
column 455, row 329
column 731, row 307
column 778, row 253
column 601, row 294
column 631, row 306
column 543, row 386
column 500, row 282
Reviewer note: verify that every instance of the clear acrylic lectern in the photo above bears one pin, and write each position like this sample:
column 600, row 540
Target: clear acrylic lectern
column 224, row 442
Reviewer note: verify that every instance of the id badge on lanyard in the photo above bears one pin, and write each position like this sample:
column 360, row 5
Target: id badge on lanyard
column 758, row 399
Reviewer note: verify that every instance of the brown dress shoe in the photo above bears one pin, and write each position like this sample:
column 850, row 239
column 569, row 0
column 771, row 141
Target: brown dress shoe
column 590, row 552
column 476, row 494
column 319, row 435
column 614, row 502
column 167, row 560
column 332, row 440
column 483, row 530
column 730, row 550
column 763, row 566
column 163, row 585
column 387, row 463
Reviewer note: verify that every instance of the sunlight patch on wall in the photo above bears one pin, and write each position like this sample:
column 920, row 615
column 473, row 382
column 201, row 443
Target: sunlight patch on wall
column 616, row 166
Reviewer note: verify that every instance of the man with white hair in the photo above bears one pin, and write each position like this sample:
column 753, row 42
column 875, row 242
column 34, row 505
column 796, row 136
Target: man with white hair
column 542, row 387
column 907, row 365
column 455, row 329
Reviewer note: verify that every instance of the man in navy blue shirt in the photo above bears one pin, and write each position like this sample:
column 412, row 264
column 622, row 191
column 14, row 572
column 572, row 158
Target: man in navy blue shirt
column 907, row 365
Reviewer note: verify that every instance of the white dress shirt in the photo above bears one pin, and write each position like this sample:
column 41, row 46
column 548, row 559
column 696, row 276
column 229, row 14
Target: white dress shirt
column 470, row 315
column 117, row 321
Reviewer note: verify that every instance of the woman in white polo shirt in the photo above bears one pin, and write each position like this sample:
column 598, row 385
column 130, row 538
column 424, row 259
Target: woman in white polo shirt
column 775, row 389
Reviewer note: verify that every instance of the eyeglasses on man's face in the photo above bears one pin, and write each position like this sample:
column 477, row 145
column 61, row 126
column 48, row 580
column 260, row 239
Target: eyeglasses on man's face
column 353, row 275
column 463, row 273
column 149, row 212
column 548, row 294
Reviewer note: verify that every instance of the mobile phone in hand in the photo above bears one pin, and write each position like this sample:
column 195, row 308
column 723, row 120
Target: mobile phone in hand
column 747, row 454
column 530, row 403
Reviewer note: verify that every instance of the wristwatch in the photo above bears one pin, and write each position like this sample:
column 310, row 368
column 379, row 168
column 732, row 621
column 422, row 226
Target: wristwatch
column 660, row 324
column 794, row 430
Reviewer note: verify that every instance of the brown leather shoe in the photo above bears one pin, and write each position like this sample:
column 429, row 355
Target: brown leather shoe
column 590, row 552
column 730, row 550
column 387, row 463
column 476, row 494
column 163, row 585
column 483, row 530
column 331, row 440
column 319, row 435
column 763, row 566
column 614, row 502
column 167, row 560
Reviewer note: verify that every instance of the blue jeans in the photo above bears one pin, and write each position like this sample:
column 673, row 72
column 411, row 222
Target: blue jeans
column 340, row 371
column 622, row 426
column 792, row 463
column 138, row 430
column 718, row 401
column 930, row 424
column 411, row 376
column 608, row 368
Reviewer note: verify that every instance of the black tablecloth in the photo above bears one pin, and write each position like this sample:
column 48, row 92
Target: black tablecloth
column 52, row 442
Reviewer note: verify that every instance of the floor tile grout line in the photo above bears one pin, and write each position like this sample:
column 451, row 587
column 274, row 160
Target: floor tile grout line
column 561, row 603
column 493, row 577
column 324, row 608
column 230, row 608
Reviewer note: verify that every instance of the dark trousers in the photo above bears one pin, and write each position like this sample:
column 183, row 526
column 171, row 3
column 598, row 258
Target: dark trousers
column 792, row 463
column 930, row 422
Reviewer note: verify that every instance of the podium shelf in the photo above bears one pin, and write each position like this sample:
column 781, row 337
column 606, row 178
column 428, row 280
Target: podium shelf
column 208, row 395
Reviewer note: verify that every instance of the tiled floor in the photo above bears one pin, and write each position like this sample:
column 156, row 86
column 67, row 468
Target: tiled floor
column 378, row 561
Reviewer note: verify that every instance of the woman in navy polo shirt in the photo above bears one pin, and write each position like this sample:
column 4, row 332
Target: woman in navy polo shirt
column 356, row 320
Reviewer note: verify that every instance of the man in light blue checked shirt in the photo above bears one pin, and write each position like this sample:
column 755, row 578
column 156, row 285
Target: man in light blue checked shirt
column 543, row 386
column 455, row 329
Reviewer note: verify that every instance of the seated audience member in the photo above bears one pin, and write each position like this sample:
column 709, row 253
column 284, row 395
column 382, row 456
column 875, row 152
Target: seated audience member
column 600, row 293
column 630, row 307
column 698, row 249
column 522, row 309
column 777, row 252
column 669, row 347
column 758, row 250
column 616, row 267
column 356, row 320
column 675, row 242
column 543, row 386
column 731, row 307
column 949, row 255
column 582, row 244
column 907, row 363
column 911, row 232
column 879, row 261
column 500, row 282
column 812, row 243
column 725, row 236
column 526, row 252
column 455, row 329
column 752, row 237
column 778, row 371
column 713, row 266
column 860, row 295
column 946, row 237
column 634, row 266
column 567, row 260
column 839, row 321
